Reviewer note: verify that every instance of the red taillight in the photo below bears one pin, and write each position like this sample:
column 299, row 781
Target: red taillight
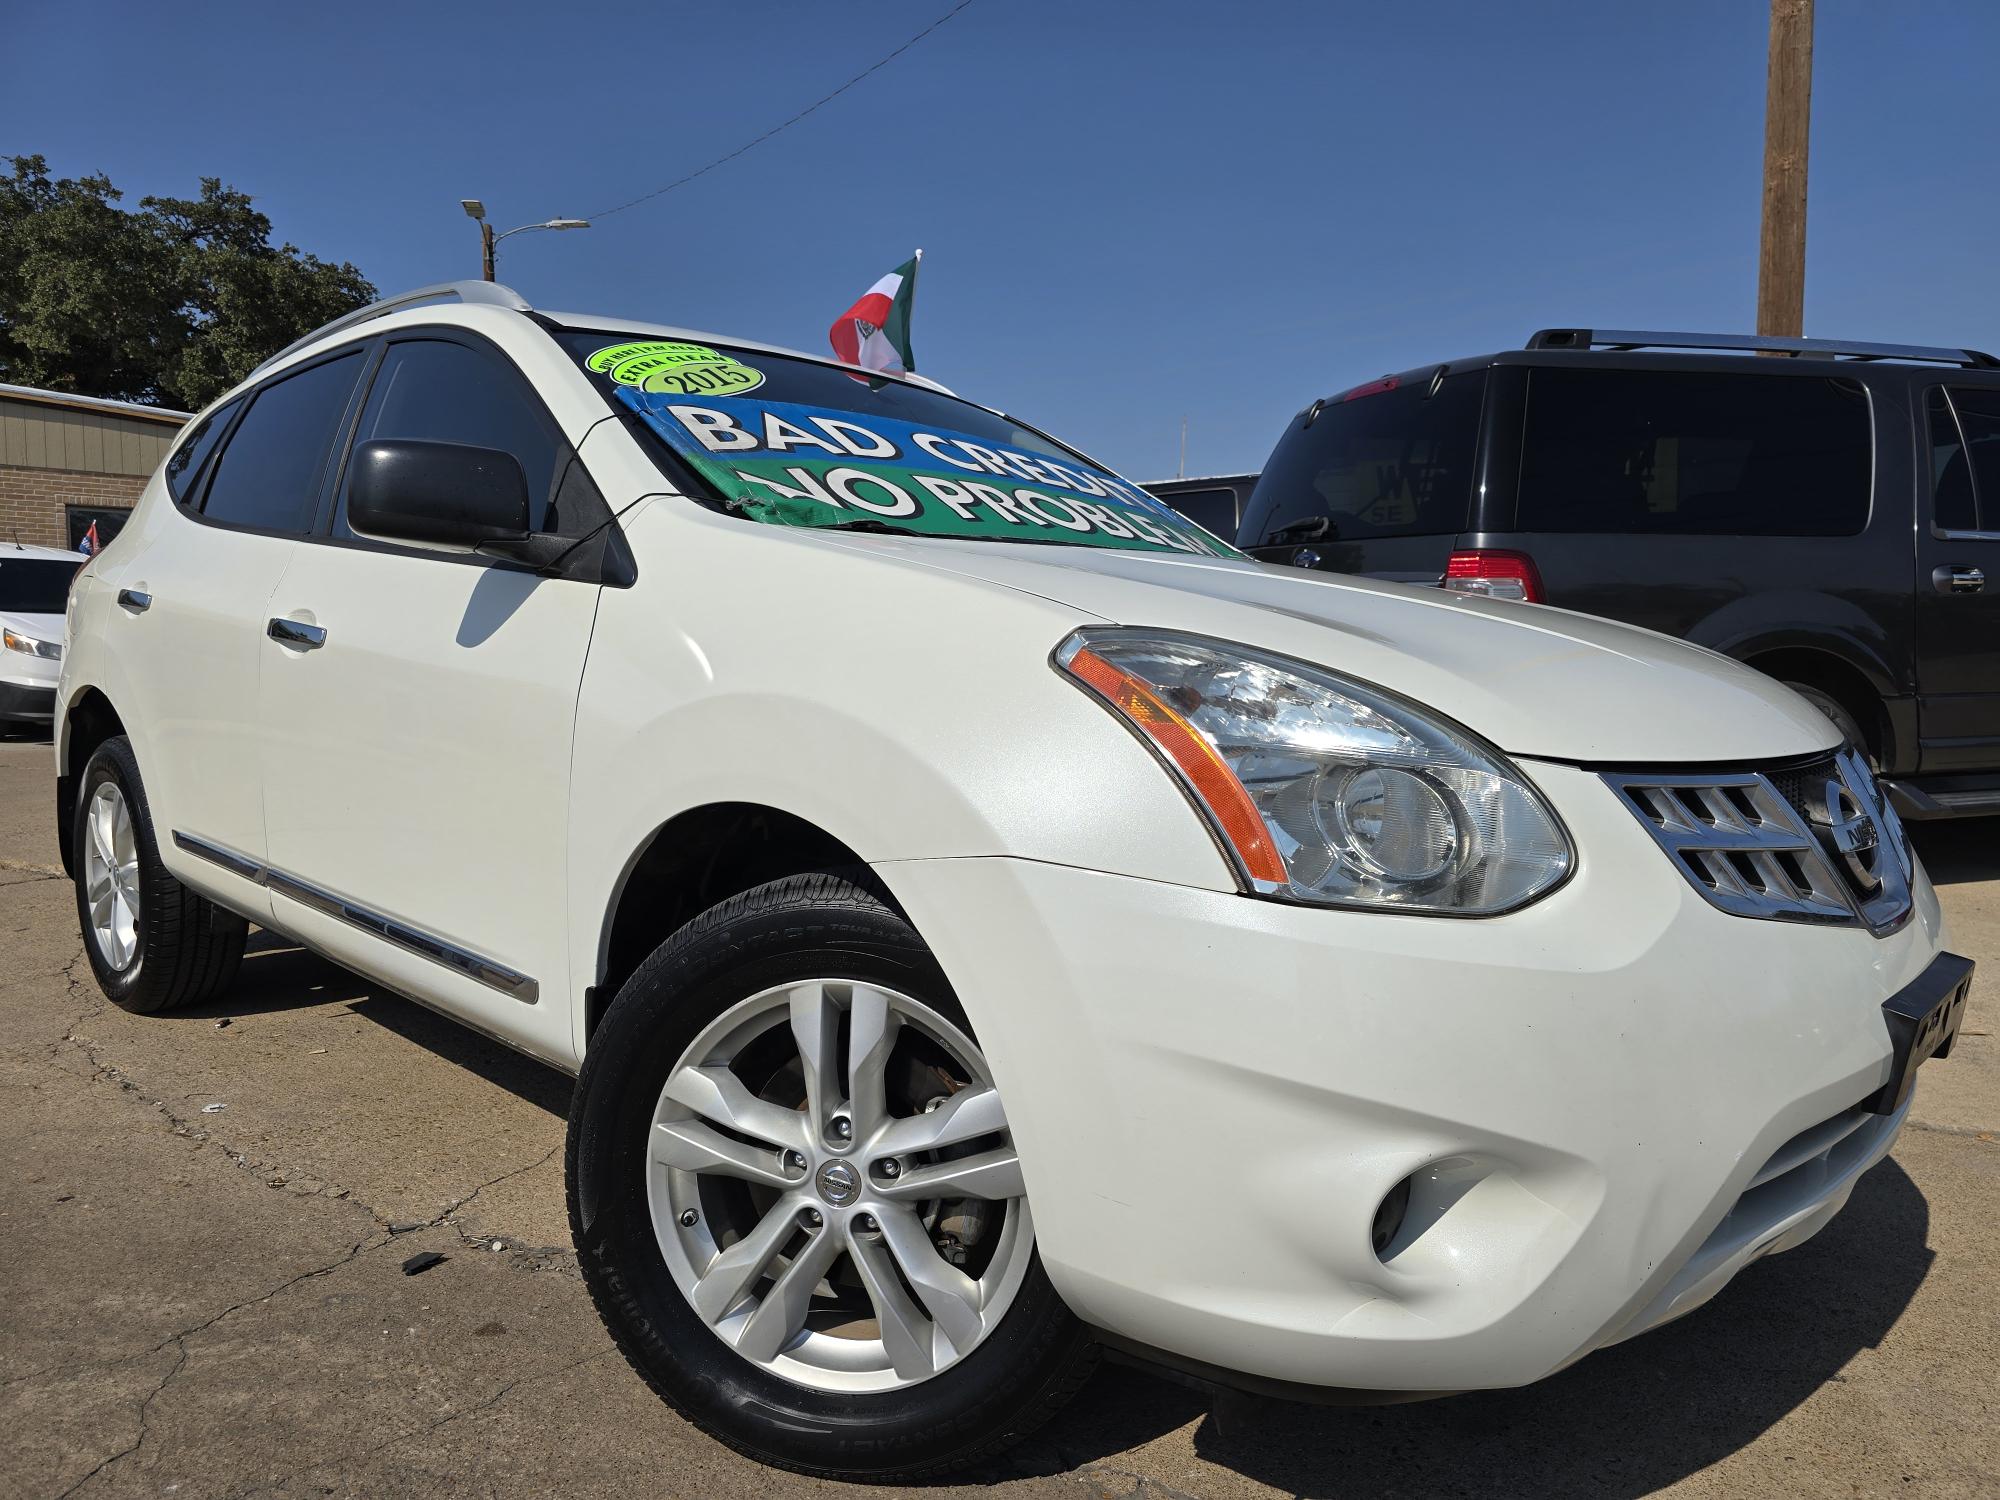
column 1496, row 574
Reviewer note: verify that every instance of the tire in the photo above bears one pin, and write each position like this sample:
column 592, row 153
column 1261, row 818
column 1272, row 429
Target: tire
column 781, row 940
column 182, row 948
column 1835, row 710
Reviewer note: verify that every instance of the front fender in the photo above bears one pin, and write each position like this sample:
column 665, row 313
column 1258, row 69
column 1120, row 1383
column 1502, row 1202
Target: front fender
column 906, row 712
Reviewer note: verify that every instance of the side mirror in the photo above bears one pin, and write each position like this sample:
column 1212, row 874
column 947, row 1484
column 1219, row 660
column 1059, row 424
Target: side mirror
column 446, row 494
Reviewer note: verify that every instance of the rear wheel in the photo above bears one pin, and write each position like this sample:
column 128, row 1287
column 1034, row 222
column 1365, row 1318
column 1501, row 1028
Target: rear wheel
column 1835, row 710
column 796, row 1200
column 152, row 943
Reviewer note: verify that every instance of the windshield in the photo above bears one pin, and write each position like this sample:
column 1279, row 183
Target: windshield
column 35, row 585
column 793, row 443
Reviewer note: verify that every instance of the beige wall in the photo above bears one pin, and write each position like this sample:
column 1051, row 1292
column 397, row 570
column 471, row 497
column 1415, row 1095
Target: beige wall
column 53, row 456
column 37, row 435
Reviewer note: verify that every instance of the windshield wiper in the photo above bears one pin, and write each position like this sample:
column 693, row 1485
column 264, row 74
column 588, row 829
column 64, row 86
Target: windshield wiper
column 870, row 524
column 1317, row 529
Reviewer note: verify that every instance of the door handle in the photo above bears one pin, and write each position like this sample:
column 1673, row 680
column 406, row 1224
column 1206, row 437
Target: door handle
column 1957, row 580
column 136, row 600
column 296, row 633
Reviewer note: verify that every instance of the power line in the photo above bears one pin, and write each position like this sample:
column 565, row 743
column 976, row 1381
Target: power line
column 775, row 129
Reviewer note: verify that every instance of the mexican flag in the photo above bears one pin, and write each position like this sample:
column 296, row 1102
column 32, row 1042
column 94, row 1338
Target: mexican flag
column 875, row 332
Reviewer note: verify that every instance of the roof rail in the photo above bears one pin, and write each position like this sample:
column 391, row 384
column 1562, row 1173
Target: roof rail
column 1621, row 338
column 489, row 292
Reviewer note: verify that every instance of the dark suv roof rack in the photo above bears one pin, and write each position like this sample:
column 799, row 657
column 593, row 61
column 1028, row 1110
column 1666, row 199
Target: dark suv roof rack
column 1625, row 338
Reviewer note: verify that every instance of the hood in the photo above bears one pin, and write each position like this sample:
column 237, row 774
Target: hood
column 1532, row 680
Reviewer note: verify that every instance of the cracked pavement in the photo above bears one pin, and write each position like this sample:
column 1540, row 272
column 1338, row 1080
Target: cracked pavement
column 202, row 1228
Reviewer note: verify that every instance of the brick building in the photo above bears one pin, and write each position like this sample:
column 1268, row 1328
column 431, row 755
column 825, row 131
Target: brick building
column 66, row 461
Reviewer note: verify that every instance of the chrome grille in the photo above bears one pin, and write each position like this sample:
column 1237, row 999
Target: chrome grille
column 1815, row 841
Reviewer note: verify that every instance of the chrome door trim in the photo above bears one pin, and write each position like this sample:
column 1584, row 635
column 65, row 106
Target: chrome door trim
column 229, row 859
column 493, row 975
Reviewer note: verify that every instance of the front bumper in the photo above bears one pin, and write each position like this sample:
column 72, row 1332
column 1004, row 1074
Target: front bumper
column 27, row 702
column 1610, row 1103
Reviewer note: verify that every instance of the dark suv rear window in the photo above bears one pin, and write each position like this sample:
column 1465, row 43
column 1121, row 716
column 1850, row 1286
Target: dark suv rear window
column 1386, row 460
column 1694, row 453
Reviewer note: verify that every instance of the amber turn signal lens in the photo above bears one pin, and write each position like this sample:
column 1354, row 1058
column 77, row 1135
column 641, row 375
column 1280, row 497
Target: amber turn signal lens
column 1190, row 753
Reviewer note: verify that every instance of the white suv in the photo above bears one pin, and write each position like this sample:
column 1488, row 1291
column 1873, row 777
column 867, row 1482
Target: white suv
column 976, row 954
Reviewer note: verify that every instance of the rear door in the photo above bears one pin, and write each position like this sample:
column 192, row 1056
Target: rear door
column 1377, row 481
column 1958, row 583
column 417, row 726
column 193, row 598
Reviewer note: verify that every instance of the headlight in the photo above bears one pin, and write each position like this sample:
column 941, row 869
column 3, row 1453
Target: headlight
column 15, row 641
column 1324, row 790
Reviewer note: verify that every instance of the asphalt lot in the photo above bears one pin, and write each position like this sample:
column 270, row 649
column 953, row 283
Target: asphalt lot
column 203, row 1218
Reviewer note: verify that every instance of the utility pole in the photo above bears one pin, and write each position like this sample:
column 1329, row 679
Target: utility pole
column 485, row 250
column 1181, row 472
column 1781, row 247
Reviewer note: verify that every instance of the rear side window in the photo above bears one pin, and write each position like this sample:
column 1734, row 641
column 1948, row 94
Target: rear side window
column 188, row 460
column 1965, row 459
column 1694, row 453
column 1211, row 510
column 268, row 475
column 443, row 392
column 1386, row 461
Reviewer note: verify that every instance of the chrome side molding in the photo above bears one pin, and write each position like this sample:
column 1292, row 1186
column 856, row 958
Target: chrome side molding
column 493, row 975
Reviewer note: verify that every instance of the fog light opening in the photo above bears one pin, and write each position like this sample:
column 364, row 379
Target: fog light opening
column 1389, row 1216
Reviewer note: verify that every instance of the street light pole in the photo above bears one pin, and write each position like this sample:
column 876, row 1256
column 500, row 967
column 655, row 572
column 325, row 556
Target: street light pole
column 474, row 209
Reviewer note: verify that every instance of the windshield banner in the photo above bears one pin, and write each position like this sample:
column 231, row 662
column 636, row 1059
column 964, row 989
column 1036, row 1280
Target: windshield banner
column 820, row 466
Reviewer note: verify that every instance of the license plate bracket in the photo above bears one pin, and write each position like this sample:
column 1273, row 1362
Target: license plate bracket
column 1923, row 1018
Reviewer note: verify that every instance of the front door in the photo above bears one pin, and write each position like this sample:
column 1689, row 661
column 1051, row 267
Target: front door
column 417, row 727
column 1958, row 584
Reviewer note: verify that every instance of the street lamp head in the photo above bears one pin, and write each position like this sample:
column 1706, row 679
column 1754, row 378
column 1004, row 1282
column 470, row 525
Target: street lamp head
column 567, row 224
column 474, row 209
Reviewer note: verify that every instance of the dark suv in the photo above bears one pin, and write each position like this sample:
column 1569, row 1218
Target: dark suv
column 1829, row 517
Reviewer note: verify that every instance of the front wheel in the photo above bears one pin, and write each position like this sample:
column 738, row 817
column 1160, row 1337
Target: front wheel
column 796, row 1199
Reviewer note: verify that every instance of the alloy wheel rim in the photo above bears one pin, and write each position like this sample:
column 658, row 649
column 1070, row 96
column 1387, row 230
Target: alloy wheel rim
column 111, row 876
column 860, row 1237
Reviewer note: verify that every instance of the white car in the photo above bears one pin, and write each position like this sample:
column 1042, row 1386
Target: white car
column 34, row 589
column 990, row 919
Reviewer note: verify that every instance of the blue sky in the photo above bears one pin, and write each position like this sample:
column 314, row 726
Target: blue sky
column 1130, row 213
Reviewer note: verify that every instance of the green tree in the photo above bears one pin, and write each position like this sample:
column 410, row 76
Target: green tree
column 170, row 304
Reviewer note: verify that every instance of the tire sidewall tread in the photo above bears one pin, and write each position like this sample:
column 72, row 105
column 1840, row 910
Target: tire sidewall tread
column 832, row 925
column 189, row 949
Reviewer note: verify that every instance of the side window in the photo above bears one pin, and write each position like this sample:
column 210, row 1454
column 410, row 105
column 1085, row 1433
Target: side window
column 1953, row 507
column 1212, row 510
column 443, row 392
column 268, row 476
column 1386, row 460
column 1695, row 453
column 187, row 461
column 1968, row 473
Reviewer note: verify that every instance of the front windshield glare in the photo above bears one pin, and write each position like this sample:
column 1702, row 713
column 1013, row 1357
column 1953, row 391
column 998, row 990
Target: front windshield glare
column 793, row 443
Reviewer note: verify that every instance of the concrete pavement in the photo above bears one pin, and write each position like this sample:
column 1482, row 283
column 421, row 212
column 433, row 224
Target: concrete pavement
column 203, row 1218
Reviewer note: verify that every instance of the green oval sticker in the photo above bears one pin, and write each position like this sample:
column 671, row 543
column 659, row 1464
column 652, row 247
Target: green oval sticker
column 677, row 369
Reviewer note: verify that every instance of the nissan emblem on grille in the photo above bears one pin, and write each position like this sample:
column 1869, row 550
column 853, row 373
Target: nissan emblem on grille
column 1850, row 832
column 1813, row 841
